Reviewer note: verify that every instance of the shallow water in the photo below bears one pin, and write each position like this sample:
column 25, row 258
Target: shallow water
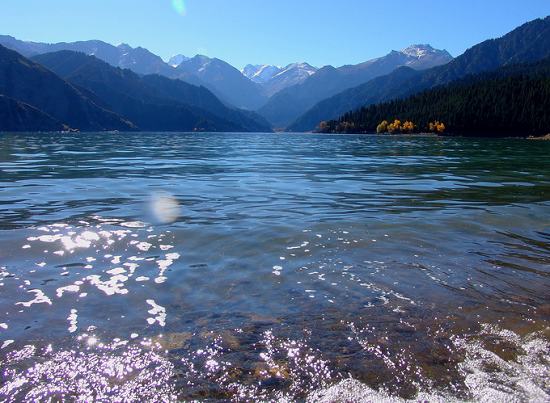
column 273, row 267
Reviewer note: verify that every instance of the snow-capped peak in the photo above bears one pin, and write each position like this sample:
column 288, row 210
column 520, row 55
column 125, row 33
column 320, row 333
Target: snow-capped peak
column 419, row 51
column 302, row 69
column 176, row 60
column 425, row 56
column 263, row 73
column 260, row 73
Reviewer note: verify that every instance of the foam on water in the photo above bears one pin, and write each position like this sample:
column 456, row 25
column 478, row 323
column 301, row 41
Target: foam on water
column 490, row 378
column 487, row 377
column 158, row 313
column 39, row 298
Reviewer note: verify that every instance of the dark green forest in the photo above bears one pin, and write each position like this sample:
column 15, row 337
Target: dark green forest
column 511, row 101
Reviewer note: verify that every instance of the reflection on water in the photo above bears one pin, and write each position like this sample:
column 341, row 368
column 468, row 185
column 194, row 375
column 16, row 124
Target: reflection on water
column 159, row 267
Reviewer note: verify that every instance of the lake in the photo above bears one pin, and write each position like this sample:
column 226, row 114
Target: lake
column 161, row 266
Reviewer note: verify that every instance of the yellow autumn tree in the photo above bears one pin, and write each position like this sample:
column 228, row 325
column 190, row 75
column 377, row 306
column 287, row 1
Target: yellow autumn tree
column 395, row 126
column 408, row 127
column 382, row 127
column 437, row 127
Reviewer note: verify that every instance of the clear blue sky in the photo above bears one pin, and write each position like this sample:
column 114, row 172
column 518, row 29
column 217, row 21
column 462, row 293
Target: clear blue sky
column 270, row 31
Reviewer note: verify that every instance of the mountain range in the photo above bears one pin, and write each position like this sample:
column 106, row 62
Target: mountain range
column 93, row 85
column 152, row 102
column 82, row 92
column 527, row 43
column 251, row 88
column 290, row 103
column 124, row 56
column 275, row 78
column 222, row 79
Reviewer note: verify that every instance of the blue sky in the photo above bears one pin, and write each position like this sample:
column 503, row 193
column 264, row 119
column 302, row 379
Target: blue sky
column 270, row 31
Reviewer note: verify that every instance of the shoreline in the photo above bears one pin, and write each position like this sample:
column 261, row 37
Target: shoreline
column 545, row 137
column 448, row 135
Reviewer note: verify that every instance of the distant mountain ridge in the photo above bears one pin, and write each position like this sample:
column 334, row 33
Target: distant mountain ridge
column 293, row 74
column 224, row 80
column 274, row 78
column 77, row 91
column 527, row 43
column 228, row 83
column 426, row 56
column 176, row 60
column 249, row 89
column 152, row 102
column 220, row 77
column 140, row 60
column 261, row 73
column 290, row 103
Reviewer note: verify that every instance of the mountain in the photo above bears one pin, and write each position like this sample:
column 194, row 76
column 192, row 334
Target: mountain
column 527, row 43
column 152, row 102
column 176, row 60
column 482, row 105
column 220, row 77
column 288, row 76
column 290, row 103
column 26, row 49
column 29, row 83
column 139, row 60
column 19, row 116
column 224, row 80
column 260, row 73
column 422, row 57
column 124, row 56
column 274, row 79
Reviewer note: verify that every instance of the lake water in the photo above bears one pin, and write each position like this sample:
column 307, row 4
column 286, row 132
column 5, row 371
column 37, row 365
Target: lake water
column 157, row 267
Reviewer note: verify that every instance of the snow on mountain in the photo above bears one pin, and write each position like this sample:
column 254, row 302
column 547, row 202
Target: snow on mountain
column 295, row 73
column 275, row 78
column 298, row 71
column 227, row 82
column 418, row 50
column 287, row 105
column 425, row 56
column 260, row 73
column 176, row 60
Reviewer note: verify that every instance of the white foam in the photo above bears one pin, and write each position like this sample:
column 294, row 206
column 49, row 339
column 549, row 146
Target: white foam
column 39, row 298
column 7, row 343
column 144, row 246
column 73, row 321
column 159, row 313
column 70, row 288
column 133, row 224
